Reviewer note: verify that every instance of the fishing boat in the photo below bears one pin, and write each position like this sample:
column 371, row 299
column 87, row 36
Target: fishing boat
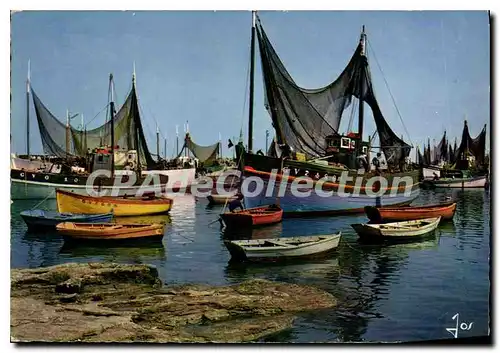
column 75, row 153
column 459, row 183
column 109, row 232
column 397, row 230
column 282, row 248
column 406, row 213
column 216, row 199
column 69, row 202
column 461, row 161
column 308, row 141
column 42, row 220
column 253, row 217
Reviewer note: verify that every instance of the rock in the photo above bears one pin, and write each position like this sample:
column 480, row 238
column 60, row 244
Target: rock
column 68, row 298
column 72, row 285
column 105, row 302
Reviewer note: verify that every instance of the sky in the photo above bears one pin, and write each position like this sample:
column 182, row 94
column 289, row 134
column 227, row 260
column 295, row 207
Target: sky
column 193, row 66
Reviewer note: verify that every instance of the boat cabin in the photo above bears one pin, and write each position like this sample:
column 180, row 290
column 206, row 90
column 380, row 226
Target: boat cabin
column 343, row 148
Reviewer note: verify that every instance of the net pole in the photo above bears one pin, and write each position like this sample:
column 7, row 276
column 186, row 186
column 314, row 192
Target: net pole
column 252, row 79
column 28, row 112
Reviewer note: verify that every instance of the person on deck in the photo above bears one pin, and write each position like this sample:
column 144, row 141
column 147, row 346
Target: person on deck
column 235, row 204
column 376, row 163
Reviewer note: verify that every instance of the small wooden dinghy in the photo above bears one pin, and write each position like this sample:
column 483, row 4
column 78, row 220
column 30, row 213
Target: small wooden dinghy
column 215, row 199
column 105, row 232
column 405, row 213
column 397, row 230
column 282, row 248
column 69, row 202
column 253, row 217
column 37, row 220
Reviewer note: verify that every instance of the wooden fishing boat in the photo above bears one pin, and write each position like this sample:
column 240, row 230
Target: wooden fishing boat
column 252, row 217
column 407, row 213
column 42, row 220
column 69, row 202
column 460, row 183
column 215, row 199
column 397, row 230
column 282, row 248
column 110, row 232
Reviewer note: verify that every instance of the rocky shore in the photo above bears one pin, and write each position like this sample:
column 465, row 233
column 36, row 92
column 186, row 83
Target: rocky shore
column 106, row 302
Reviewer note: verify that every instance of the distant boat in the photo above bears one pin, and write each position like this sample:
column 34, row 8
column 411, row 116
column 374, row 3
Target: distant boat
column 37, row 220
column 397, row 230
column 406, row 213
column 282, row 248
column 107, row 232
column 220, row 199
column 253, row 217
column 460, row 183
column 120, row 206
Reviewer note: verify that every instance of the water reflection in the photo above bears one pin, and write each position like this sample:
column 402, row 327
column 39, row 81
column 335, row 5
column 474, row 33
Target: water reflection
column 267, row 232
column 161, row 219
column 141, row 253
column 385, row 292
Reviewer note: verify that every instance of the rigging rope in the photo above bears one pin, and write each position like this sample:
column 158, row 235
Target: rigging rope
column 91, row 120
column 390, row 93
column 351, row 118
column 246, row 90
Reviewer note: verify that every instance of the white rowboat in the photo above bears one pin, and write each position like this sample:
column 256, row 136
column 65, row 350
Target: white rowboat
column 397, row 230
column 282, row 248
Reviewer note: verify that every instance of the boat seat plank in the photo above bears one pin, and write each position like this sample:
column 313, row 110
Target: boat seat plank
column 277, row 242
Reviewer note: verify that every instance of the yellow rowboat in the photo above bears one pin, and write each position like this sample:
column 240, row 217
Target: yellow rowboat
column 68, row 202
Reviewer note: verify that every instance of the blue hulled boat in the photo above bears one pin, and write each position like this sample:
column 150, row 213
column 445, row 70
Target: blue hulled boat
column 37, row 220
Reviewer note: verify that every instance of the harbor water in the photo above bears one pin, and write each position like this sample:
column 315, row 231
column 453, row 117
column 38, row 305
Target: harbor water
column 386, row 293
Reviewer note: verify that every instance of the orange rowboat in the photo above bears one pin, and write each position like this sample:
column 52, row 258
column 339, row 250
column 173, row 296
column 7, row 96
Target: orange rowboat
column 105, row 232
column 253, row 217
column 406, row 213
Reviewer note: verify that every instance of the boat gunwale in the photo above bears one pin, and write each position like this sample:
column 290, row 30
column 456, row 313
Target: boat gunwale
column 118, row 199
column 328, row 238
column 332, row 185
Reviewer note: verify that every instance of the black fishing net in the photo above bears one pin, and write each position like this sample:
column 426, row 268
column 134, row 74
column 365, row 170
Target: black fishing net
column 128, row 133
column 441, row 150
column 204, row 154
column 472, row 146
column 303, row 118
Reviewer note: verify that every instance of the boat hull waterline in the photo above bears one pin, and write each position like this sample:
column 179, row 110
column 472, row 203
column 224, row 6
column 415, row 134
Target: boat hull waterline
column 253, row 217
column 477, row 182
column 282, row 248
column 397, row 230
column 317, row 205
column 406, row 213
column 38, row 220
column 109, row 232
column 68, row 202
column 31, row 186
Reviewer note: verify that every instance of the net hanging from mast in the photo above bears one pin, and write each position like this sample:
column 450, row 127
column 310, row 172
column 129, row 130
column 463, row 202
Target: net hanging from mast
column 129, row 134
column 303, row 118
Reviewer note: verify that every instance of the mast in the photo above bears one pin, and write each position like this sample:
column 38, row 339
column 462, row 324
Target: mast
column 220, row 145
column 136, row 123
column 250, row 102
column 362, row 42
column 112, row 118
column 158, row 141
column 82, row 138
column 67, row 132
column 165, row 149
column 267, row 137
column 177, row 133
column 28, row 112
